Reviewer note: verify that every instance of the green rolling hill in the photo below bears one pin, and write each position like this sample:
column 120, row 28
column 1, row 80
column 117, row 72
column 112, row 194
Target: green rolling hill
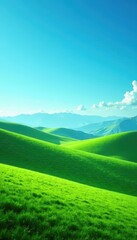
column 37, row 206
column 69, row 133
column 122, row 146
column 32, row 132
column 83, row 167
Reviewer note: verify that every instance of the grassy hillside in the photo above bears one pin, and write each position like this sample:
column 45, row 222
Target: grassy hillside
column 87, row 168
column 32, row 132
column 36, row 206
column 122, row 145
column 70, row 133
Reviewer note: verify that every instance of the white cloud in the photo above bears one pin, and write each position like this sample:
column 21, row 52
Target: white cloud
column 81, row 108
column 94, row 106
column 102, row 104
column 130, row 99
column 122, row 108
column 66, row 110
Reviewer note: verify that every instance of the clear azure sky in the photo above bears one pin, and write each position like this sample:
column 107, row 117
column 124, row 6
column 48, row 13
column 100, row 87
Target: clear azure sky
column 68, row 55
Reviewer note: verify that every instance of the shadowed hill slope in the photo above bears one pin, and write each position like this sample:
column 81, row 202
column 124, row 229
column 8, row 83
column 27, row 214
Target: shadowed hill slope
column 32, row 132
column 122, row 145
column 65, row 132
column 87, row 168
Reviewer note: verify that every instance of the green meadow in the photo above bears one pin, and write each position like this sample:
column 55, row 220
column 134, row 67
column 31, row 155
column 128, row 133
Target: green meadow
column 39, row 206
column 91, row 169
column 57, row 187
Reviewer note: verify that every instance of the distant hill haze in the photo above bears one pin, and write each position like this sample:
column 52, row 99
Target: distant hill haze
column 93, row 125
column 57, row 120
column 111, row 127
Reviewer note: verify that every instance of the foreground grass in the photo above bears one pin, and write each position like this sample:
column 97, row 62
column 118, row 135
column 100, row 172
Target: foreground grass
column 37, row 206
column 78, row 166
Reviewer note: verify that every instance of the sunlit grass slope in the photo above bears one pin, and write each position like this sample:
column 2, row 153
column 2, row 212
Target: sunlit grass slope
column 70, row 133
column 87, row 168
column 32, row 132
column 36, row 206
column 121, row 145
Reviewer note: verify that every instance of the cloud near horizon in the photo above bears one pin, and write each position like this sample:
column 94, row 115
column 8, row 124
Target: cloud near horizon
column 81, row 108
column 129, row 99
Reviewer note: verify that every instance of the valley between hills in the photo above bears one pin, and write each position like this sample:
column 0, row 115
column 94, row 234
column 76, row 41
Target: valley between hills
column 60, row 183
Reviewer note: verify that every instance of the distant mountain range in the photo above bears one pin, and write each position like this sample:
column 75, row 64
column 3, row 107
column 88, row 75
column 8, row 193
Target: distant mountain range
column 90, row 124
column 95, row 127
column 57, row 120
column 111, row 127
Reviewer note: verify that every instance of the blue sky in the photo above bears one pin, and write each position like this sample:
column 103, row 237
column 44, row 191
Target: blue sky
column 68, row 55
